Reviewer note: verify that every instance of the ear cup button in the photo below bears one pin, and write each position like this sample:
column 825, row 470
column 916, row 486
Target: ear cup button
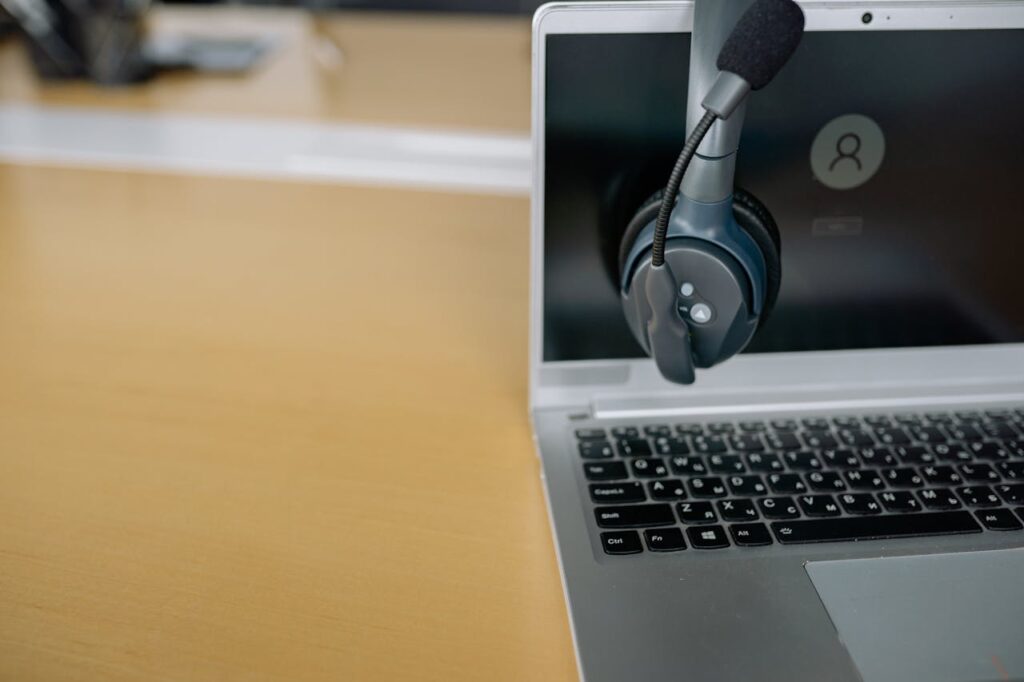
column 701, row 313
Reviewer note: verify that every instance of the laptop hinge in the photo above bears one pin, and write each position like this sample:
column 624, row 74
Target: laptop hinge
column 806, row 400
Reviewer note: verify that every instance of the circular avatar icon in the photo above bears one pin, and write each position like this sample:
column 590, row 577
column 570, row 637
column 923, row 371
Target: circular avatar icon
column 847, row 151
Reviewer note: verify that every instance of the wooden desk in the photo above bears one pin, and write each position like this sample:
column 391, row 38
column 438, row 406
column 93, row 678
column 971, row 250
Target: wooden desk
column 267, row 431
column 422, row 70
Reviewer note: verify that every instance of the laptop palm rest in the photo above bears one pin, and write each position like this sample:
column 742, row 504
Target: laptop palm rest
column 941, row 618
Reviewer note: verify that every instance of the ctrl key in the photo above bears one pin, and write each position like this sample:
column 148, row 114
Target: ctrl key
column 621, row 542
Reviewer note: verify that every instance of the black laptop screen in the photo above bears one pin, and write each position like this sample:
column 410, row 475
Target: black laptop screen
column 893, row 162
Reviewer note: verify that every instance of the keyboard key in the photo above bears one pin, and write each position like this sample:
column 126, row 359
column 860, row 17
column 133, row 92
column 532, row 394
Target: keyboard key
column 816, row 440
column 802, row 460
column 989, row 451
column 688, row 466
column 782, row 440
column 899, row 501
column 690, row 429
column 782, row 507
column 604, row 471
column 707, row 537
column 939, row 499
column 669, row 489
column 750, row 534
column 635, row 516
column 846, row 422
column 825, row 481
column 952, row 452
column 658, row 430
column 818, row 505
column 737, row 510
column 963, row 432
column 864, row 479
column 855, row 437
column 874, row 527
column 746, row 486
column 753, row 427
column 625, row 432
column 877, row 457
column 913, row 454
column 939, row 417
column 721, row 428
column 840, row 459
column 726, row 464
column 1000, row 430
column 617, row 492
column 815, row 424
column 621, row 542
column 979, row 473
column 892, row 436
column 878, row 421
column 595, row 449
column 786, row 483
column 1012, row 493
column 941, row 475
column 999, row 519
column 665, row 540
column 978, row 496
column 928, row 434
column 707, row 486
column 763, row 463
column 590, row 434
column 649, row 467
column 1012, row 470
column 707, row 445
column 634, row 447
column 784, row 424
column 903, row 477
column 696, row 512
column 746, row 442
column 860, row 504
column 671, row 446
column 907, row 419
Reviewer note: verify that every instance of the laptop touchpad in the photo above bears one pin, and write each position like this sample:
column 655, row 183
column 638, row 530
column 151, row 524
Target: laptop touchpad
column 942, row 618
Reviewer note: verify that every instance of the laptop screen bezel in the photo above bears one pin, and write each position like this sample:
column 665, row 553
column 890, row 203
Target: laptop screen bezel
column 824, row 373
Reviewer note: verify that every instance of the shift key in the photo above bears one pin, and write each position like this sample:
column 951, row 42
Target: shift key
column 634, row 516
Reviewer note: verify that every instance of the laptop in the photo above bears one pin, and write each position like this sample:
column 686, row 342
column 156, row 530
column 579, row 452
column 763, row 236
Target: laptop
column 845, row 499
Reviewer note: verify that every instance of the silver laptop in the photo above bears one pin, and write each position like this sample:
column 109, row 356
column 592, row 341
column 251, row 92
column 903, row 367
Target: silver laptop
column 845, row 500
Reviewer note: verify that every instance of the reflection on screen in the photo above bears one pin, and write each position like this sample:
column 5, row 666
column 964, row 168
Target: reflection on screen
column 897, row 196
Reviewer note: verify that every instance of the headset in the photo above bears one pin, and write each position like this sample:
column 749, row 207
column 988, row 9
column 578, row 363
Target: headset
column 700, row 262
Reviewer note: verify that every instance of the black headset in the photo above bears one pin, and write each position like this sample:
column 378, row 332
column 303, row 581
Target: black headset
column 698, row 277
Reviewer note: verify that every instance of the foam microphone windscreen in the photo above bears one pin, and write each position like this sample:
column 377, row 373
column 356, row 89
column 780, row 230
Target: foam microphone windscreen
column 763, row 41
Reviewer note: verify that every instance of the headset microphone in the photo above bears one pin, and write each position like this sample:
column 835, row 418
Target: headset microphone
column 728, row 251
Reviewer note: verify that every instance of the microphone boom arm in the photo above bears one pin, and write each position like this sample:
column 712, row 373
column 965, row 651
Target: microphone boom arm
column 709, row 178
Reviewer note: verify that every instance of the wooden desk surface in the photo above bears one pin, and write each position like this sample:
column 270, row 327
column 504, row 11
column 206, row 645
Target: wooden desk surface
column 267, row 431
column 422, row 70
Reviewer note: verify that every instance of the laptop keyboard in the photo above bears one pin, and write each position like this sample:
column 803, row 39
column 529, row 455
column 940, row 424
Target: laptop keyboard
column 664, row 487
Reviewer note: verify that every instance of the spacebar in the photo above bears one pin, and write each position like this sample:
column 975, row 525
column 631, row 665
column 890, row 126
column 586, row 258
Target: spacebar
column 874, row 527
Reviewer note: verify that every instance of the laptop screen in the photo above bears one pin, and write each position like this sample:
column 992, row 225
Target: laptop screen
column 893, row 162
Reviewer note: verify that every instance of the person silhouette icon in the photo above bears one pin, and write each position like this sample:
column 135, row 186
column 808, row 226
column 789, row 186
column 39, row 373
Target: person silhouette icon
column 849, row 153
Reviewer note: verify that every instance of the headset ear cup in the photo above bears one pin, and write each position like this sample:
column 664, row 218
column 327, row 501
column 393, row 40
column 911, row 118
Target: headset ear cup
column 753, row 216
column 647, row 212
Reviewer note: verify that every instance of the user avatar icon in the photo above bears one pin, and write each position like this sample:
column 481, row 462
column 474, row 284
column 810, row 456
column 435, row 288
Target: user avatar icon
column 847, row 151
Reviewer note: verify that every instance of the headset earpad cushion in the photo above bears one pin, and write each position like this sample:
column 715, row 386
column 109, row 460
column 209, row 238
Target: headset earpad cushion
column 643, row 217
column 754, row 217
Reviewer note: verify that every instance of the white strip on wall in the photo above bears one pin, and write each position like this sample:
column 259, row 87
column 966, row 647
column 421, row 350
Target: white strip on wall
column 491, row 163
